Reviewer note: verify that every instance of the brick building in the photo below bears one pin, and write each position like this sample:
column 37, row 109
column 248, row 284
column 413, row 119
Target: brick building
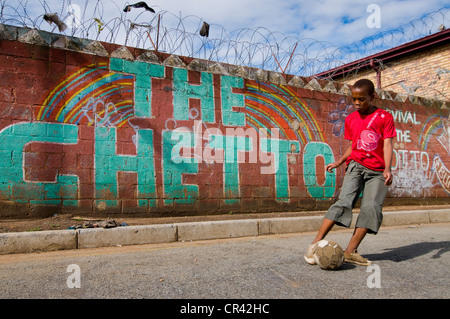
column 420, row 68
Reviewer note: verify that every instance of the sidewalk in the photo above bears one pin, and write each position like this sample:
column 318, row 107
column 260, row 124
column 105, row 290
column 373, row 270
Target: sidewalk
column 155, row 233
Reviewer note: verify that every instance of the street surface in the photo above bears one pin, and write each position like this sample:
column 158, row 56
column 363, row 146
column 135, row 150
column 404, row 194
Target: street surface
column 410, row 262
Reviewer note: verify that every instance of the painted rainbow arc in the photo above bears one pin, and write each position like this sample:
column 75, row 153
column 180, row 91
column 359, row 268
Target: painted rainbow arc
column 92, row 96
column 430, row 129
column 271, row 106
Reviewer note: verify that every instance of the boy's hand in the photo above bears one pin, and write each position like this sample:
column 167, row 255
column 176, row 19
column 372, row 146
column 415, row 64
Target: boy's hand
column 332, row 166
column 388, row 177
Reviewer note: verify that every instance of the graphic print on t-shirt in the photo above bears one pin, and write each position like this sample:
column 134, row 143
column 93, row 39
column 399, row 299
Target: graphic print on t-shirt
column 368, row 140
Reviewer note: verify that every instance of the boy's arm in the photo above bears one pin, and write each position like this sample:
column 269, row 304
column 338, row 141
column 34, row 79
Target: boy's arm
column 342, row 160
column 388, row 161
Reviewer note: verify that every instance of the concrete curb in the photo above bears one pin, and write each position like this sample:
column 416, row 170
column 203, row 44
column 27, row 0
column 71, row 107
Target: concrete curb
column 27, row 242
column 217, row 229
column 122, row 236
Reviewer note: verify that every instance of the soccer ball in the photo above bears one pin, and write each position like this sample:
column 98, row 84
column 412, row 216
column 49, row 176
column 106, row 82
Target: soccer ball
column 328, row 255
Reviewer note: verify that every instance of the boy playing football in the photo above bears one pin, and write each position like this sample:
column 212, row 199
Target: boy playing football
column 368, row 158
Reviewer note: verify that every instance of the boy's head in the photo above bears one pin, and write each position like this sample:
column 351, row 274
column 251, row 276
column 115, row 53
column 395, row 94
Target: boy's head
column 363, row 93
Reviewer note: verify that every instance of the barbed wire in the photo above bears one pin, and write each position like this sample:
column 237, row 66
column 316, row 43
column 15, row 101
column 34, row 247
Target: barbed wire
column 176, row 34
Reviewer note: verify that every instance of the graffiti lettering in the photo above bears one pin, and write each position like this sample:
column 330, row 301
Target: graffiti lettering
column 138, row 143
column 406, row 117
column 312, row 151
column 12, row 181
column 404, row 159
column 442, row 172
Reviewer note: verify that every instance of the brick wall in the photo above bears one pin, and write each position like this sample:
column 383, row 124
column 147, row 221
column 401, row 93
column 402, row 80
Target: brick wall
column 97, row 128
column 425, row 74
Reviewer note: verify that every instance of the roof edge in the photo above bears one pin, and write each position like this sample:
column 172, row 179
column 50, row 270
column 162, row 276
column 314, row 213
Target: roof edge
column 435, row 39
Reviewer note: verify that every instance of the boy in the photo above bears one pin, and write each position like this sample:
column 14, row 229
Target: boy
column 368, row 158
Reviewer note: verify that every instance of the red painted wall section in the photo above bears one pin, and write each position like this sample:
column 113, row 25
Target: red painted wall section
column 96, row 128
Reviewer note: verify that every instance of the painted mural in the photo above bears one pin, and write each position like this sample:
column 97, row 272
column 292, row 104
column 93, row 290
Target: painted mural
column 137, row 136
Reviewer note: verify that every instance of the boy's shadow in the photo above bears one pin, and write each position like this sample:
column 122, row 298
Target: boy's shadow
column 399, row 254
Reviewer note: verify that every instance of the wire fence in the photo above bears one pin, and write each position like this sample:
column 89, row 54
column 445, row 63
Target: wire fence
column 176, row 34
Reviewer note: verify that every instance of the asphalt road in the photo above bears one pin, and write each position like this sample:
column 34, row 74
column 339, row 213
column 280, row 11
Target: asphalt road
column 410, row 262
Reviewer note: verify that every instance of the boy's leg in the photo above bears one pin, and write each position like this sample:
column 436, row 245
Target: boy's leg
column 326, row 226
column 340, row 212
column 370, row 216
column 351, row 255
column 356, row 239
column 324, row 229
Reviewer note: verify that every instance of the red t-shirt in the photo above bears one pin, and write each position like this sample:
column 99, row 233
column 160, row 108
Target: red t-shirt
column 367, row 133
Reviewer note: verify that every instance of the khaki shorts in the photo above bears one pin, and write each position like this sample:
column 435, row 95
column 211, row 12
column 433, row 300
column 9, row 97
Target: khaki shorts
column 371, row 183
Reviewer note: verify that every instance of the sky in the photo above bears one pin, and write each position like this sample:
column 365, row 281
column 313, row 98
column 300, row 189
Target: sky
column 321, row 25
column 337, row 21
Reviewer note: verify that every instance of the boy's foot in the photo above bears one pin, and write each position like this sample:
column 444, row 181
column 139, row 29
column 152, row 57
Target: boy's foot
column 309, row 256
column 356, row 258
